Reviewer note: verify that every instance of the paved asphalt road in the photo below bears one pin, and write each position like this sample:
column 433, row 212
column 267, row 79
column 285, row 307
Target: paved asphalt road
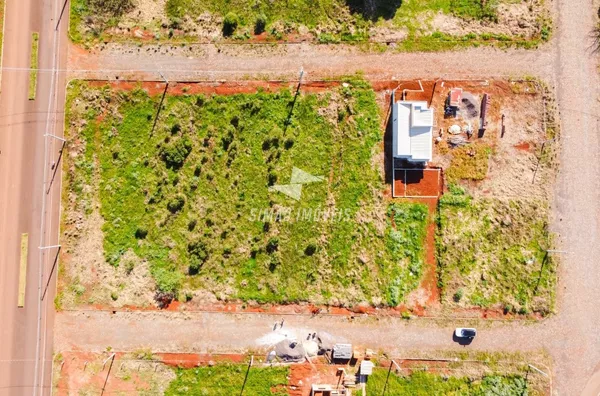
column 25, row 206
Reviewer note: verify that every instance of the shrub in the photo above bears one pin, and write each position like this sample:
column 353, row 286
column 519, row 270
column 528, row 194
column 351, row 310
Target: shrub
column 78, row 289
column 167, row 281
column 274, row 262
column 458, row 295
column 176, row 204
column 129, row 265
column 230, row 23
column 272, row 178
column 310, row 249
column 198, row 255
column 141, row 233
column 260, row 24
column 175, row 153
column 272, row 245
column 114, row 296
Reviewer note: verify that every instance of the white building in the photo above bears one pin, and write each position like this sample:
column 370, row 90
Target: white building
column 412, row 131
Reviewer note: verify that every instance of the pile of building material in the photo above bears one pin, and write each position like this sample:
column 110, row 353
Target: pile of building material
column 290, row 351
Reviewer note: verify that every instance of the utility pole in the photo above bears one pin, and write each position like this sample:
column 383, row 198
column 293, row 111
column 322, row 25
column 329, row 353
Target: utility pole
column 247, row 372
column 162, row 99
column 108, row 373
column 387, row 378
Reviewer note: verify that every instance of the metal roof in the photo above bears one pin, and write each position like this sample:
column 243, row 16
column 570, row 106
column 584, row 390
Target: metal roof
column 342, row 351
column 366, row 367
column 412, row 131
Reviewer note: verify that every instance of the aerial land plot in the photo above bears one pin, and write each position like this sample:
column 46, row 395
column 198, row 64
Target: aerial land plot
column 143, row 372
column 411, row 24
column 493, row 221
column 269, row 197
column 252, row 194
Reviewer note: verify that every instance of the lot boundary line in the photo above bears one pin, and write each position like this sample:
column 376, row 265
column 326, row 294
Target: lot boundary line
column 447, row 77
column 279, row 314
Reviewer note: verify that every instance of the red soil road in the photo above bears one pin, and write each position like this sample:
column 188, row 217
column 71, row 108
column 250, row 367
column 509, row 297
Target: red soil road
column 26, row 333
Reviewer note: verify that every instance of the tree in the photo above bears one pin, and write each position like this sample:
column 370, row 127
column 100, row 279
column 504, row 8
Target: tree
column 230, row 23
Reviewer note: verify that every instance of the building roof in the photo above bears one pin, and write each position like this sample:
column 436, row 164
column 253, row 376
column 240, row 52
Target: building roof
column 455, row 96
column 412, row 131
column 366, row 367
column 342, row 351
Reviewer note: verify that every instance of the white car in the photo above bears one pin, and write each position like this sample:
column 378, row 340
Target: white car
column 465, row 332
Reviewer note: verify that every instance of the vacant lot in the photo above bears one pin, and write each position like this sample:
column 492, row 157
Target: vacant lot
column 142, row 373
column 422, row 383
column 493, row 253
column 493, row 222
column 268, row 197
column 227, row 379
column 422, row 24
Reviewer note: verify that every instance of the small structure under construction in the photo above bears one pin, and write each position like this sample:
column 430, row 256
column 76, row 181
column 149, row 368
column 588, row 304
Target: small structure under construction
column 412, row 131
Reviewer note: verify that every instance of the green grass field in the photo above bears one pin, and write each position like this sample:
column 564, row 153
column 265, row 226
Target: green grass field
column 492, row 253
column 227, row 379
column 425, row 384
column 192, row 197
column 328, row 21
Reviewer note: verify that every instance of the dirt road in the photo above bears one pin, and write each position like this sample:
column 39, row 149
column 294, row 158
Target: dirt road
column 239, row 61
column 572, row 336
column 26, row 335
column 204, row 332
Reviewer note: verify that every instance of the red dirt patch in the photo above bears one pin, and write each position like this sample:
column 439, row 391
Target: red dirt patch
column 525, row 146
column 216, row 88
column 418, row 183
column 303, row 376
column 189, row 360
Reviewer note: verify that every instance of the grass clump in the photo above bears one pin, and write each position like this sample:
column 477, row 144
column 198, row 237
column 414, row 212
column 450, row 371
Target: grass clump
column 475, row 9
column 422, row 383
column 470, row 162
column 33, row 65
column 492, row 253
column 204, row 217
column 227, row 379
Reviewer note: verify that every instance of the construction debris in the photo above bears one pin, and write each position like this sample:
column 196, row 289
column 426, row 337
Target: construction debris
column 290, row 351
column 457, row 141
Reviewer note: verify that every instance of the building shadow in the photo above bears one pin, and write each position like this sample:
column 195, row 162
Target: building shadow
column 388, row 153
column 373, row 10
